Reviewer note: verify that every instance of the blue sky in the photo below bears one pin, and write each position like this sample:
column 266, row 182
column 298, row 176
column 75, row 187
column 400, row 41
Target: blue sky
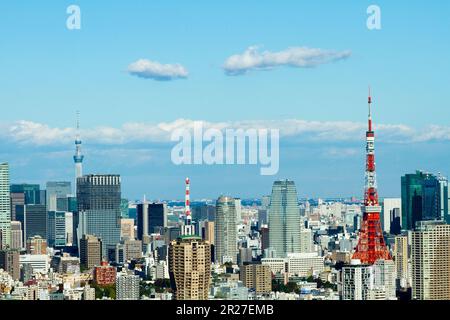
column 48, row 72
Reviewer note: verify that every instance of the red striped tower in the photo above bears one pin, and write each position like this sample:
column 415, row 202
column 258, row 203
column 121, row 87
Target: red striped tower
column 188, row 228
column 371, row 246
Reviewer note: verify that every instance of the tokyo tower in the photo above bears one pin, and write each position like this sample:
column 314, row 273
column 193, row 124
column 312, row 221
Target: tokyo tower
column 371, row 246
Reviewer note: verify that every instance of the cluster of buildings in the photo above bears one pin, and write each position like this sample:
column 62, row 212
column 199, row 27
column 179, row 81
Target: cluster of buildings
column 87, row 242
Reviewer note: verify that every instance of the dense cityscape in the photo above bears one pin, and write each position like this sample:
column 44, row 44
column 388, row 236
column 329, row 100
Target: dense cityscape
column 87, row 242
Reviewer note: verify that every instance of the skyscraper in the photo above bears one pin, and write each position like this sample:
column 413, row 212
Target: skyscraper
column 33, row 193
column 17, row 206
column 98, row 198
column 284, row 219
column 430, row 256
column 150, row 217
column 225, row 230
column 56, row 229
column 36, row 221
column 190, row 268
column 421, row 199
column 5, row 207
column 56, row 190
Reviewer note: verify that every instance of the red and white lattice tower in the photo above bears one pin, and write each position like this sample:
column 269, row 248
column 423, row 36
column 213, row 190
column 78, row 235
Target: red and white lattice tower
column 188, row 228
column 371, row 246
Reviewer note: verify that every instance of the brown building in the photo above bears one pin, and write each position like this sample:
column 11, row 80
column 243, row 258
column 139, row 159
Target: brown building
column 209, row 232
column 190, row 268
column 257, row 277
column 9, row 261
column 127, row 229
column 16, row 235
column 17, row 204
column 90, row 251
column 264, row 238
column 36, row 245
column 104, row 274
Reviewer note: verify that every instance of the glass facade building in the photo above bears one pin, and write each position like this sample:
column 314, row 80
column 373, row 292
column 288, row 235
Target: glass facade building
column 284, row 219
column 56, row 228
column 99, row 198
column 57, row 193
column 225, row 230
column 151, row 218
column 424, row 198
column 36, row 220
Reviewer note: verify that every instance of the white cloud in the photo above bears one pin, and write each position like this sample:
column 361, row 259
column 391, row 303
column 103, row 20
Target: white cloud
column 154, row 70
column 299, row 57
column 37, row 134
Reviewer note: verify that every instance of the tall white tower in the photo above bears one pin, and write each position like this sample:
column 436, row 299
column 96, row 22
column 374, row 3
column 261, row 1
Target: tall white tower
column 78, row 157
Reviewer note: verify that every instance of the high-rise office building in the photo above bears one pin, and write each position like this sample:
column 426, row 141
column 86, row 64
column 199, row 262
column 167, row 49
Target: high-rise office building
column 225, row 230
column 98, row 198
column 9, row 261
column 17, row 206
column 36, row 221
column 257, row 277
column 33, row 193
column 190, row 268
column 57, row 190
column 90, row 251
column 127, row 287
column 389, row 208
column 5, row 207
column 56, row 229
column 401, row 260
column 430, row 256
column 150, row 218
column 284, row 219
column 16, row 235
column 421, row 199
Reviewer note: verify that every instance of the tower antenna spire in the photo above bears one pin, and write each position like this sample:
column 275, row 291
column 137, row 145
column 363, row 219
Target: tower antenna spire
column 371, row 245
column 78, row 157
column 188, row 228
